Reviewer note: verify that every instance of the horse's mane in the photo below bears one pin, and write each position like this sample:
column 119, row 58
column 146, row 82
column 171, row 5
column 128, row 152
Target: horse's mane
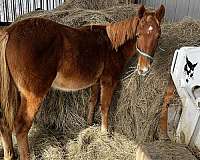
column 120, row 32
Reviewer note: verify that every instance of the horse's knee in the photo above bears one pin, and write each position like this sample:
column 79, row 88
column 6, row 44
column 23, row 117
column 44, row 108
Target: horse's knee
column 25, row 115
column 91, row 113
column 4, row 129
column 22, row 125
column 104, row 109
column 93, row 102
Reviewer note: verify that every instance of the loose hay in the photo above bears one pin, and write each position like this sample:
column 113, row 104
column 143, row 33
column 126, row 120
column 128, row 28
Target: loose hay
column 136, row 105
column 172, row 151
column 91, row 144
column 46, row 144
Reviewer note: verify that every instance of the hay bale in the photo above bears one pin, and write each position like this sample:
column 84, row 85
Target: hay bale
column 64, row 112
column 77, row 17
column 89, row 4
column 92, row 4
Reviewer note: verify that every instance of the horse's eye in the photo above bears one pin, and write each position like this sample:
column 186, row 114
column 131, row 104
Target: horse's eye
column 158, row 36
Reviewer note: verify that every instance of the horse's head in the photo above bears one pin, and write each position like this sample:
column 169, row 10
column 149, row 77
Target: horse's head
column 148, row 33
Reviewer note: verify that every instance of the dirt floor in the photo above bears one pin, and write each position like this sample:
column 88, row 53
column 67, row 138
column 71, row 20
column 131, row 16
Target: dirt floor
column 60, row 130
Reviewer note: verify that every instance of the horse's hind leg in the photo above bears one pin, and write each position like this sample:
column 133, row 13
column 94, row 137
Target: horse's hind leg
column 169, row 94
column 6, row 137
column 23, row 121
column 95, row 89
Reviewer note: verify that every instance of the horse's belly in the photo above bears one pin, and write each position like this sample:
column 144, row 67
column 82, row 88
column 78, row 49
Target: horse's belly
column 73, row 83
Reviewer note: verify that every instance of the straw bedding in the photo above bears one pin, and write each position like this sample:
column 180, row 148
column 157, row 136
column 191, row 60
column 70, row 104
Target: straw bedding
column 60, row 130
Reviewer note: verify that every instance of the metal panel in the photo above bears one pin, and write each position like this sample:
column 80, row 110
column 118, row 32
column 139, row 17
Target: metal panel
column 182, row 9
column 159, row 2
column 194, row 10
column 171, row 9
column 176, row 10
column 10, row 9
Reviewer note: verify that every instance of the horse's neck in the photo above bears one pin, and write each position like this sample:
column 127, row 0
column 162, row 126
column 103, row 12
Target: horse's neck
column 94, row 30
column 128, row 49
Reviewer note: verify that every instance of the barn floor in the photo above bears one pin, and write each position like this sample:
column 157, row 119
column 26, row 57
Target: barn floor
column 135, row 111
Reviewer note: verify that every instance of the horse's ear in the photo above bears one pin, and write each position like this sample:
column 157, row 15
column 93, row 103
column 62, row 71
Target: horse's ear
column 160, row 13
column 141, row 11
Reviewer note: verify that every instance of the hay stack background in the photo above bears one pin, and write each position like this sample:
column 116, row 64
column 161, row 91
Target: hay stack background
column 137, row 102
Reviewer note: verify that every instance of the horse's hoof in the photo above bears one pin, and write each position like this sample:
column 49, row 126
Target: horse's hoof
column 95, row 125
column 106, row 132
column 89, row 123
column 164, row 138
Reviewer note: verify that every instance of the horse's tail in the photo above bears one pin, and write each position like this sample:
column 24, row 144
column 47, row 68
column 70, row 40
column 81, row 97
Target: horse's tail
column 8, row 90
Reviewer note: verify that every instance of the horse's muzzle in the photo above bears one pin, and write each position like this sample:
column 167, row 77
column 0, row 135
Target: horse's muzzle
column 143, row 71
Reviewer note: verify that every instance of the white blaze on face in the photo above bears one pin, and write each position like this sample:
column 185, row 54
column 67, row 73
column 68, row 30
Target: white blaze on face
column 150, row 29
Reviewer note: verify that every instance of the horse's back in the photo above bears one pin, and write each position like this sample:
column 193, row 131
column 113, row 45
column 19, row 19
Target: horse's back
column 34, row 32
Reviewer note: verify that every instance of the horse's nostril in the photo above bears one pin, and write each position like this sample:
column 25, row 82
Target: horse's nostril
column 145, row 69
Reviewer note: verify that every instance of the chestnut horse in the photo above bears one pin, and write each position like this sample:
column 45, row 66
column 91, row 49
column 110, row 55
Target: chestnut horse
column 37, row 54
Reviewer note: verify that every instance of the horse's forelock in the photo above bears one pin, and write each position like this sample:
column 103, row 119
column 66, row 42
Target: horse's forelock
column 120, row 32
column 149, row 19
column 152, row 16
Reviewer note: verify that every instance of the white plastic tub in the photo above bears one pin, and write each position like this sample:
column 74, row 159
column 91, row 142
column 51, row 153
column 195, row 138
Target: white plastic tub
column 185, row 71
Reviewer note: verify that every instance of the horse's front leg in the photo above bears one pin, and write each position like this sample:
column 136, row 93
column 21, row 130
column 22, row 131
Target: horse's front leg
column 95, row 89
column 6, row 138
column 169, row 94
column 23, row 122
column 107, row 85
